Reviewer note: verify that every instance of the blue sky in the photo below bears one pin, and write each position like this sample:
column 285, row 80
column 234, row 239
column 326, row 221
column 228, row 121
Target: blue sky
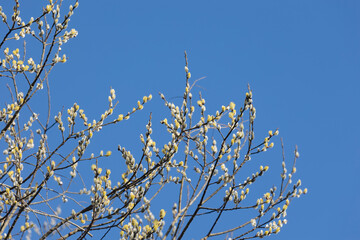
column 301, row 59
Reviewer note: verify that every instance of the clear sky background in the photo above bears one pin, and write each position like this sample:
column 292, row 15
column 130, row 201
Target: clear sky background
column 301, row 59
